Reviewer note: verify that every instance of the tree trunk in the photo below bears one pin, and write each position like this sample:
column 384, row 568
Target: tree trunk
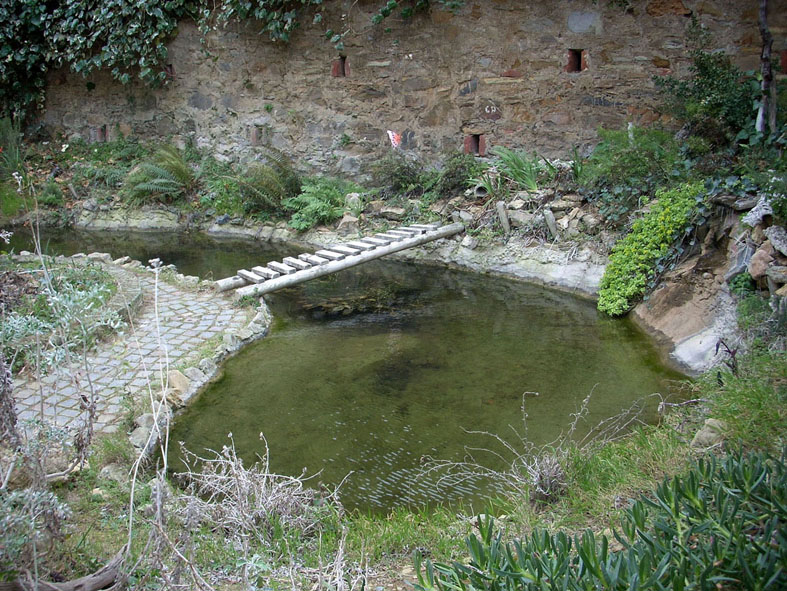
column 767, row 111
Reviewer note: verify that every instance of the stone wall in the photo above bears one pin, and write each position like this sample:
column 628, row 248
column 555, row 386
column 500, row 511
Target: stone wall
column 496, row 73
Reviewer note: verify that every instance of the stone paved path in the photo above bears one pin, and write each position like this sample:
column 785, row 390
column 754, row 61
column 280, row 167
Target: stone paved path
column 122, row 366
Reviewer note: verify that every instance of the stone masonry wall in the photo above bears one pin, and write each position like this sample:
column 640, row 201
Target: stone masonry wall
column 495, row 73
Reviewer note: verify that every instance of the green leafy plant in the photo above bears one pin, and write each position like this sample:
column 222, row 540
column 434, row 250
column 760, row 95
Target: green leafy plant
column 645, row 252
column 719, row 525
column 321, row 201
column 397, row 174
column 627, row 164
column 518, row 168
column 164, row 178
column 716, row 101
column 51, row 194
column 265, row 185
column 457, row 169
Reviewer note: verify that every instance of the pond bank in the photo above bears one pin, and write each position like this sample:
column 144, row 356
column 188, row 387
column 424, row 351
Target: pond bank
column 687, row 326
column 178, row 333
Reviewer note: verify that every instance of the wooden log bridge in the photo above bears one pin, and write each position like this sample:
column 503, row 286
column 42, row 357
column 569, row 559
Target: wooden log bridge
column 292, row 271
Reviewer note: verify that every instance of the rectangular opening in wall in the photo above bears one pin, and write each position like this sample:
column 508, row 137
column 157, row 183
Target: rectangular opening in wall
column 169, row 71
column 577, row 60
column 339, row 67
column 475, row 143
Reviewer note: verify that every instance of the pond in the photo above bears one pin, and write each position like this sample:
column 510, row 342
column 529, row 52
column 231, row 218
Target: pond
column 372, row 371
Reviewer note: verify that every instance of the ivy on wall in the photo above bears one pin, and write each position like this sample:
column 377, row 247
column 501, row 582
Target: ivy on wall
column 126, row 37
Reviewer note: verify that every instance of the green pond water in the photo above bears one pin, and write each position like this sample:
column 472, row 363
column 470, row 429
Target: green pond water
column 374, row 370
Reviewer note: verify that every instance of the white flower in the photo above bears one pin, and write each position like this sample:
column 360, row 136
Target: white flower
column 64, row 148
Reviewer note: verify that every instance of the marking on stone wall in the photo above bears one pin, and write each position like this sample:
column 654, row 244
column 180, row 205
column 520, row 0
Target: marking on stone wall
column 599, row 101
column 491, row 111
column 469, row 88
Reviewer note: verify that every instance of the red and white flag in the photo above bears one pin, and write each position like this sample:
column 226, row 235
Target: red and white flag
column 396, row 138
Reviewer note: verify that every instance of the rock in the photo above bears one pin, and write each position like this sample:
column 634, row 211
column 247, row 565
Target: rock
column 374, row 207
column 521, row 219
column 223, row 219
column 139, row 437
column 464, row 216
column 758, row 234
column 146, row 421
column 103, row 257
column 177, row 381
column 549, row 218
column 90, row 205
column 99, row 494
column 781, row 292
column 348, row 225
column 503, row 215
column 245, row 334
column 759, row 263
column 757, row 213
column 711, row 433
column 469, row 242
column 516, row 204
column 724, row 199
column 777, row 274
column 207, row 366
column 592, row 221
column 778, row 238
column 121, row 260
column 573, row 198
column 740, row 255
column 395, row 214
column 231, row 340
column 353, row 202
column 191, row 280
column 174, row 397
column 133, row 265
column 745, row 203
column 114, row 472
column 194, row 374
column 561, row 205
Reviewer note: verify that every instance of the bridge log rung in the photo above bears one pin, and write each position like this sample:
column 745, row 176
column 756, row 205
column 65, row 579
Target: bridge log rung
column 329, row 254
column 266, row 272
column 344, row 249
column 297, row 263
column 313, row 259
column 390, row 236
column 281, row 268
column 249, row 276
column 360, row 245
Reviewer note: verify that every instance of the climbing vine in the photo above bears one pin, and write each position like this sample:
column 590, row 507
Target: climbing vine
column 127, row 37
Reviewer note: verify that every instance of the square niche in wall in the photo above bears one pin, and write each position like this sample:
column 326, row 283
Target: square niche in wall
column 577, row 60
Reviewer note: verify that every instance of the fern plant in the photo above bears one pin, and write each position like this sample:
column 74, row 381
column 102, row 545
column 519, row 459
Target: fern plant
column 165, row 178
column 320, row 202
column 265, row 185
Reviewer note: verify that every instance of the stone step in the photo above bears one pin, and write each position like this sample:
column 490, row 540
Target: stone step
column 329, row 254
column 299, row 264
column 360, row 245
column 281, row 268
column 266, row 272
column 344, row 249
column 389, row 235
column 313, row 259
column 249, row 276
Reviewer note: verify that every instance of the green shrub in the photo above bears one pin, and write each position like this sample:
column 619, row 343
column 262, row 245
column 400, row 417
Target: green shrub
column 265, row 185
column 51, row 194
column 397, row 174
column 716, row 101
column 457, row 169
column 627, row 164
column 164, row 178
column 719, row 526
column 13, row 151
column 646, row 250
column 321, row 201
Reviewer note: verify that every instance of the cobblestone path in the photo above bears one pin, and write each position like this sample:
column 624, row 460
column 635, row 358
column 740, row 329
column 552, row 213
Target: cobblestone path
column 121, row 367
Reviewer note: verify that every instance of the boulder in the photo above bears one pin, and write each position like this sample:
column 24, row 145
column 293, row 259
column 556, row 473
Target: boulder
column 194, row 374
column 103, row 257
column 353, row 202
column 549, row 218
column 758, row 265
column 394, row 214
column 177, row 381
column 114, row 472
column 516, row 204
column 758, row 212
column 777, row 236
column 347, row 225
column 469, row 242
column 711, row 433
column 561, row 205
column 374, row 207
column 740, row 255
column 777, row 274
column 521, row 219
